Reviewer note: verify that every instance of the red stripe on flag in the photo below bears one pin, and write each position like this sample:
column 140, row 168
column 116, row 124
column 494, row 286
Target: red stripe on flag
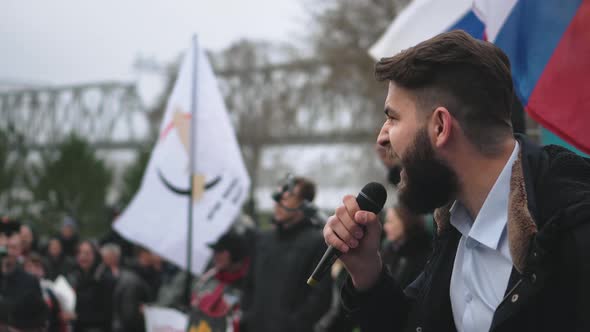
column 561, row 99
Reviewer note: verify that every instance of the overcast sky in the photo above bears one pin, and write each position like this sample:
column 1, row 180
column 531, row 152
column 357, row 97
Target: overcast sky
column 69, row 41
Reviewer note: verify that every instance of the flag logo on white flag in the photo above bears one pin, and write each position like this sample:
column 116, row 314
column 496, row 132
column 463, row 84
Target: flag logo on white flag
column 158, row 215
column 181, row 123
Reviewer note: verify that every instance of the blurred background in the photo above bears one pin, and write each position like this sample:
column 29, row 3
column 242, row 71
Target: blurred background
column 83, row 87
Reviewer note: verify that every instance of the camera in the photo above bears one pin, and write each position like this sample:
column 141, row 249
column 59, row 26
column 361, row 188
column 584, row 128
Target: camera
column 286, row 185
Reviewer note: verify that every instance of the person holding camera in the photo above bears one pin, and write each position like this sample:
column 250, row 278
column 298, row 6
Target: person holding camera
column 277, row 297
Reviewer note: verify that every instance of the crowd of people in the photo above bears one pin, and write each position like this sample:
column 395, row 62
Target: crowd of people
column 110, row 286
column 256, row 279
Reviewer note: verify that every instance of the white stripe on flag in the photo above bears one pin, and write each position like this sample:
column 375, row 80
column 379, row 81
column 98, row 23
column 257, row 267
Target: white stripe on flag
column 493, row 14
column 420, row 20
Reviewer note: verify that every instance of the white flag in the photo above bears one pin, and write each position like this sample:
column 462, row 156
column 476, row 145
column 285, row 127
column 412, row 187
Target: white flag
column 157, row 217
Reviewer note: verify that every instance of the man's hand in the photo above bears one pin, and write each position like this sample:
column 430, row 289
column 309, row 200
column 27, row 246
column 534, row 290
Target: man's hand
column 356, row 234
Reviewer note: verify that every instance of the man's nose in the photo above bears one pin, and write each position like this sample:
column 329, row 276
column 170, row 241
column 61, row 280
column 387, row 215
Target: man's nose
column 383, row 137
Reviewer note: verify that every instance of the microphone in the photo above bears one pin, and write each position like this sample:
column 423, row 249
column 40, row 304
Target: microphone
column 371, row 198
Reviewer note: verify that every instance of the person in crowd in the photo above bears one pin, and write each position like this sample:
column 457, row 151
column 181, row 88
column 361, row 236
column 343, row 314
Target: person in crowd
column 14, row 247
column 29, row 241
column 172, row 293
column 277, row 297
column 511, row 249
column 56, row 261
column 129, row 295
column 114, row 237
column 166, row 270
column 215, row 300
column 68, row 237
column 406, row 246
column 336, row 319
column 143, row 266
column 111, row 258
column 56, row 322
column 21, row 300
column 94, row 285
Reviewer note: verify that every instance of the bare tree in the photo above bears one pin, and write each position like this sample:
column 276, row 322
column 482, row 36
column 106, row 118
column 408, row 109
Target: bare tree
column 277, row 97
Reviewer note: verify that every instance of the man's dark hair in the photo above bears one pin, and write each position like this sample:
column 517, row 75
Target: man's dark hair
column 470, row 77
column 306, row 188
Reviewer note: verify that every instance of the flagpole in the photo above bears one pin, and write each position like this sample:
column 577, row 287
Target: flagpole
column 192, row 144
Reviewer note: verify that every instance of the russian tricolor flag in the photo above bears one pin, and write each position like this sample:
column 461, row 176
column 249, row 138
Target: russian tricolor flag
column 547, row 41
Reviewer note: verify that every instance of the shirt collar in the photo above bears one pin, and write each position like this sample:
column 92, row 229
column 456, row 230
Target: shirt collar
column 489, row 224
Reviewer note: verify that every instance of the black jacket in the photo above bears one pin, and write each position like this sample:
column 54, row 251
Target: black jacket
column 336, row 319
column 21, row 300
column 58, row 266
column 69, row 245
column 549, row 238
column 55, row 322
column 406, row 261
column 129, row 294
column 94, row 296
column 276, row 296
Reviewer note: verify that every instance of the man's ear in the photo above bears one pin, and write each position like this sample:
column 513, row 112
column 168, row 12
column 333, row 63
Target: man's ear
column 441, row 126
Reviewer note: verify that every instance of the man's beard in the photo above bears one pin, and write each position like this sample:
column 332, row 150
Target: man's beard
column 428, row 182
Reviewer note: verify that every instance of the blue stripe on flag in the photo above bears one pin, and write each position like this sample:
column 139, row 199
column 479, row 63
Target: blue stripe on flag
column 529, row 37
column 471, row 24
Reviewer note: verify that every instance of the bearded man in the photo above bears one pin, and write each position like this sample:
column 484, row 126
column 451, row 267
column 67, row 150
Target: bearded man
column 512, row 243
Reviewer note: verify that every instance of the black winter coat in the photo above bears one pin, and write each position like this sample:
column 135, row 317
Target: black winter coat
column 21, row 300
column 94, row 296
column 129, row 294
column 549, row 237
column 407, row 261
column 276, row 296
column 58, row 266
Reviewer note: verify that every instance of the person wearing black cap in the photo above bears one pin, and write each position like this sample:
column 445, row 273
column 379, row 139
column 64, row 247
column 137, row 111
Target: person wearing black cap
column 277, row 297
column 215, row 299
column 21, row 301
column 68, row 236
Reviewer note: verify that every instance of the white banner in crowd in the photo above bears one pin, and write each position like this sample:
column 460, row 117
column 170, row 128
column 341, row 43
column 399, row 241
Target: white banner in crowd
column 157, row 216
column 64, row 292
column 159, row 319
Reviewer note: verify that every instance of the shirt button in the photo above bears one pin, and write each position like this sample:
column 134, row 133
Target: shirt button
column 418, row 329
column 514, row 298
column 468, row 298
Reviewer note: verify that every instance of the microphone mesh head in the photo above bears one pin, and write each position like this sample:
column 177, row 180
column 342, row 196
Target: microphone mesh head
column 372, row 197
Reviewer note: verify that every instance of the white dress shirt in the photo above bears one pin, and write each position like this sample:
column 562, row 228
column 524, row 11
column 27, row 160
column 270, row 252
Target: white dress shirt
column 482, row 263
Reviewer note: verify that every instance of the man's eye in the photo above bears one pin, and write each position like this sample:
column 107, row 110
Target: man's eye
column 389, row 116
